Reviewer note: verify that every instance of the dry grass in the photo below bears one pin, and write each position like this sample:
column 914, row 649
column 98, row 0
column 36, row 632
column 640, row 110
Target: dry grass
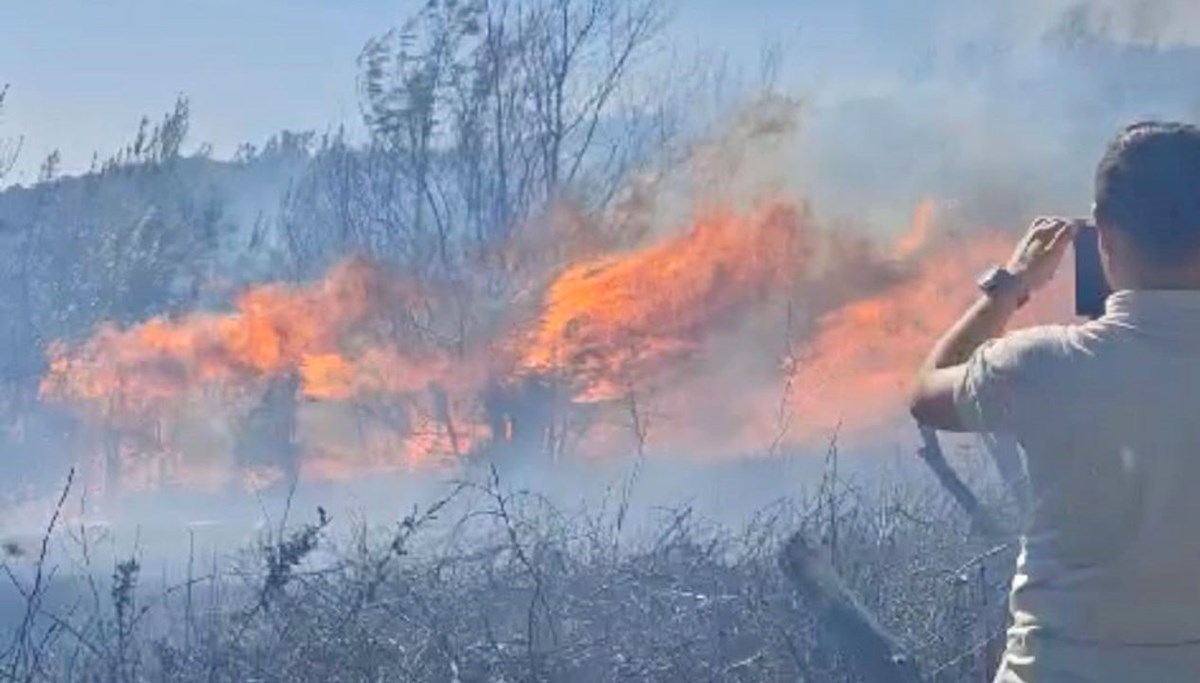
column 498, row 585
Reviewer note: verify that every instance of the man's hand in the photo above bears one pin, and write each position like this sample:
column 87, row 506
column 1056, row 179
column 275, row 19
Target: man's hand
column 1040, row 251
column 1034, row 262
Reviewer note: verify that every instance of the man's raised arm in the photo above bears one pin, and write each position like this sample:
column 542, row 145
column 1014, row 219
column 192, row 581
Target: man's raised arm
column 1032, row 265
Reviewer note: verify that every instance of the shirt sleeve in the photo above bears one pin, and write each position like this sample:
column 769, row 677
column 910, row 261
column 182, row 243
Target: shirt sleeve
column 1005, row 380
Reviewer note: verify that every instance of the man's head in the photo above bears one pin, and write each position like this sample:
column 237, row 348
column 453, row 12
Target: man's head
column 1148, row 206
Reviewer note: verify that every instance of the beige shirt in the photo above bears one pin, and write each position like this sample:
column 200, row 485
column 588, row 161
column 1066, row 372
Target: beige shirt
column 1107, row 586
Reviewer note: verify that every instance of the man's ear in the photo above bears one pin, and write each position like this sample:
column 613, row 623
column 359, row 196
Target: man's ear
column 1104, row 239
column 1110, row 241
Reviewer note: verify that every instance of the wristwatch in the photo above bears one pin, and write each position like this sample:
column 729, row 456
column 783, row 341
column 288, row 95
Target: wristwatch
column 999, row 280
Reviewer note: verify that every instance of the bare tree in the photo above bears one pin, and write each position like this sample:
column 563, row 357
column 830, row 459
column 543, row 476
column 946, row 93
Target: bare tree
column 483, row 119
column 9, row 149
column 480, row 114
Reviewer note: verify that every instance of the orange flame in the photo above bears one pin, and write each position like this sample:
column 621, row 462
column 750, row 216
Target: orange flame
column 695, row 320
column 320, row 331
column 607, row 322
column 326, row 335
column 920, row 233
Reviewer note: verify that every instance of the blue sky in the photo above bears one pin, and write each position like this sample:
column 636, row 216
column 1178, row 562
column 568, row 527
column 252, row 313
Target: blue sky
column 886, row 80
column 84, row 71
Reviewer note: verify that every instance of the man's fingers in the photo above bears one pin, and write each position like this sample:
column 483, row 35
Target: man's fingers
column 1051, row 223
column 1038, row 229
column 1044, row 221
column 1040, row 252
column 1046, row 229
column 1063, row 236
column 1036, row 236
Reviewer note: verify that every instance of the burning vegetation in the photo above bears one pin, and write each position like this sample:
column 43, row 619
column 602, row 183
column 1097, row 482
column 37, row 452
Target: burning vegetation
column 609, row 323
column 447, row 305
column 337, row 378
column 530, row 255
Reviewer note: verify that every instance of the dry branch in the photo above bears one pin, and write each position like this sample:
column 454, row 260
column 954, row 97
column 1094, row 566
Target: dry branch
column 931, row 452
column 877, row 654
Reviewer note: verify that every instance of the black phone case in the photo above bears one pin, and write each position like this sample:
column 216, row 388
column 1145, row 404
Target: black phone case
column 1091, row 286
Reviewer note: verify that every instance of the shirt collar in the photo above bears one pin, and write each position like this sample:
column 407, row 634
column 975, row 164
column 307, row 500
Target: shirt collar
column 1154, row 306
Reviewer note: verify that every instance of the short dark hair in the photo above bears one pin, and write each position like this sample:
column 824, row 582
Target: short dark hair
column 1148, row 186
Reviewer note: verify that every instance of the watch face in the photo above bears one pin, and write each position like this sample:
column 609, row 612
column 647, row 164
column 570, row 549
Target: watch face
column 990, row 279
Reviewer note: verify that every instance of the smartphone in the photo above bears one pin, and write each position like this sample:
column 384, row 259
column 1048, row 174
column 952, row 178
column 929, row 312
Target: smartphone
column 1091, row 286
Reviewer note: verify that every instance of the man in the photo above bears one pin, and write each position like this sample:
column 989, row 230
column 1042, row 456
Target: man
column 1107, row 586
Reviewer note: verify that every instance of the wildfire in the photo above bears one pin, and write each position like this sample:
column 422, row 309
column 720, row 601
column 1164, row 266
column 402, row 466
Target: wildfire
column 747, row 327
column 320, row 331
column 921, row 231
column 325, row 341
column 694, row 320
column 607, row 322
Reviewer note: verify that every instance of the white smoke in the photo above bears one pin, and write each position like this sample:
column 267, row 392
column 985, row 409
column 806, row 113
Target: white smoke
column 1158, row 23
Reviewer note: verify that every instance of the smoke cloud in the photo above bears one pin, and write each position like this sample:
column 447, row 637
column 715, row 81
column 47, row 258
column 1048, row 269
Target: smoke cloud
column 790, row 271
column 1151, row 23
